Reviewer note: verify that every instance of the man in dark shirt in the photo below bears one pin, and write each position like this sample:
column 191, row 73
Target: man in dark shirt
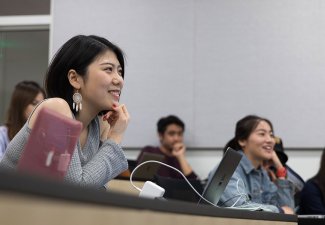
column 170, row 133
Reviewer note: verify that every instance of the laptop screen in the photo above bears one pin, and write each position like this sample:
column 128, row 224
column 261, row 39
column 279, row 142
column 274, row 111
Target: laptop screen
column 50, row 145
column 221, row 176
column 149, row 170
column 179, row 189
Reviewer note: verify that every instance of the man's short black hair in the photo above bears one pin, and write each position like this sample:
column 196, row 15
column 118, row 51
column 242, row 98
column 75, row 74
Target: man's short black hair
column 168, row 120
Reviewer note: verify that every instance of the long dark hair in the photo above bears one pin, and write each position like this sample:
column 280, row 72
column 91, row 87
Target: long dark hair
column 77, row 53
column 319, row 178
column 24, row 94
column 244, row 128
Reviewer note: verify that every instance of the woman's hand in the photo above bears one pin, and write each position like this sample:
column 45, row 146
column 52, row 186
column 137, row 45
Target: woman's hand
column 276, row 161
column 117, row 122
column 287, row 210
column 269, row 171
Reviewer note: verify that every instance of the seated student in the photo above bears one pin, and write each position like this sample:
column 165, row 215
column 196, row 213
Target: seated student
column 313, row 193
column 170, row 133
column 250, row 185
column 84, row 79
column 26, row 95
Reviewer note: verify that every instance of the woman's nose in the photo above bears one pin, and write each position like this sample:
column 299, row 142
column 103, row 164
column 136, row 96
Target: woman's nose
column 117, row 79
column 270, row 139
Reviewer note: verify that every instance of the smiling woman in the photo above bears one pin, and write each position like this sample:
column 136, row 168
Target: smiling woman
column 250, row 185
column 83, row 81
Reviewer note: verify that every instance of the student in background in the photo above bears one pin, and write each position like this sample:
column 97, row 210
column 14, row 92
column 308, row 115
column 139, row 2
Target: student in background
column 250, row 186
column 26, row 95
column 170, row 132
column 85, row 79
column 313, row 193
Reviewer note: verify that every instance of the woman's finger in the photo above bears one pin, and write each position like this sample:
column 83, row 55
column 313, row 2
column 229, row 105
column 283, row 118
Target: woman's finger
column 107, row 115
column 125, row 111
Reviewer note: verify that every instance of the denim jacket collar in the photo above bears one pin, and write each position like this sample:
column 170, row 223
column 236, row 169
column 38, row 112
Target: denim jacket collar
column 246, row 164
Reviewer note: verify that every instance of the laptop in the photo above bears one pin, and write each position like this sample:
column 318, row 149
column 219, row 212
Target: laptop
column 179, row 189
column 149, row 170
column 221, row 176
column 50, row 146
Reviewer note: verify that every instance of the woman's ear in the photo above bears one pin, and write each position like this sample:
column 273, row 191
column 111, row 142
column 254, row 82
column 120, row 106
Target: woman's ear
column 74, row 79
column 242, row 143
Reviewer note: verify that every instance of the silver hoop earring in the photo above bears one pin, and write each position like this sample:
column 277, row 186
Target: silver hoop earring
column 77, row 98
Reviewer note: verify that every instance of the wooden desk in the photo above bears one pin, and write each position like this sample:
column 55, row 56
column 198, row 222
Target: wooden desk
column 124, row 186
column 26, row 200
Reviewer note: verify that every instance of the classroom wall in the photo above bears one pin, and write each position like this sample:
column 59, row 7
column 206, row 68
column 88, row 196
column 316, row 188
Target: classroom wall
column 212, row 62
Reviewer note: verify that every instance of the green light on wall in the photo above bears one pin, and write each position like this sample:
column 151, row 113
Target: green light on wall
column 8, row 44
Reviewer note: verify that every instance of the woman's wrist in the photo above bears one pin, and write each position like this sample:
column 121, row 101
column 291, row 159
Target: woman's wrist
column 116, row 138
column 281, row 172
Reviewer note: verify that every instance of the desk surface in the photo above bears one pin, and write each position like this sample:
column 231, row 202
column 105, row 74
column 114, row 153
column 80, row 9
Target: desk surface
column 124, row 186
column 20, row 194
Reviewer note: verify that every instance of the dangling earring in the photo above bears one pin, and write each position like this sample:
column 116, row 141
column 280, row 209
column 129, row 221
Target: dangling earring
column 77, row 98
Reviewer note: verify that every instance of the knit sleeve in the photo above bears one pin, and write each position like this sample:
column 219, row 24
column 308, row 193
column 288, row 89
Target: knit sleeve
column 107, row 163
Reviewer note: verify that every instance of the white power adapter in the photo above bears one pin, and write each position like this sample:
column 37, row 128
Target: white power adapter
column 151, row 190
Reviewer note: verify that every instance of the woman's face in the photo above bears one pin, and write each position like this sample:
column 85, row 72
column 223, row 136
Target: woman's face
column 39, row 97
column 260, row 143
column 103, row 83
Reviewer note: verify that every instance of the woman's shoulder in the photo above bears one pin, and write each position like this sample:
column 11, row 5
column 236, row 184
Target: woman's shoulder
column 311, row 183
column 58, row 105
column 3, row 129
column 310, row 186
column 4, row 133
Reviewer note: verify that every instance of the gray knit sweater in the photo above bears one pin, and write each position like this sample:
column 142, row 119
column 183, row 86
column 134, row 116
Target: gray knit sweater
column 94, row 165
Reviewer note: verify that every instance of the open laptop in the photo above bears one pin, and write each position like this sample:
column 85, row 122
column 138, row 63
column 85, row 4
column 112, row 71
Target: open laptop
column 149, row 170
column 179, row 189
column 50, row 145
column 221, row 176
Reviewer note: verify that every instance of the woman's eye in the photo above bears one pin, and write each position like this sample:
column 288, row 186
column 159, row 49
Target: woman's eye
column 120, row 72
column 109, row 69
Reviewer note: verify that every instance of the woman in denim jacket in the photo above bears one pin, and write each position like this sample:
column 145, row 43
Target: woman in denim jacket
column 250, row 186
